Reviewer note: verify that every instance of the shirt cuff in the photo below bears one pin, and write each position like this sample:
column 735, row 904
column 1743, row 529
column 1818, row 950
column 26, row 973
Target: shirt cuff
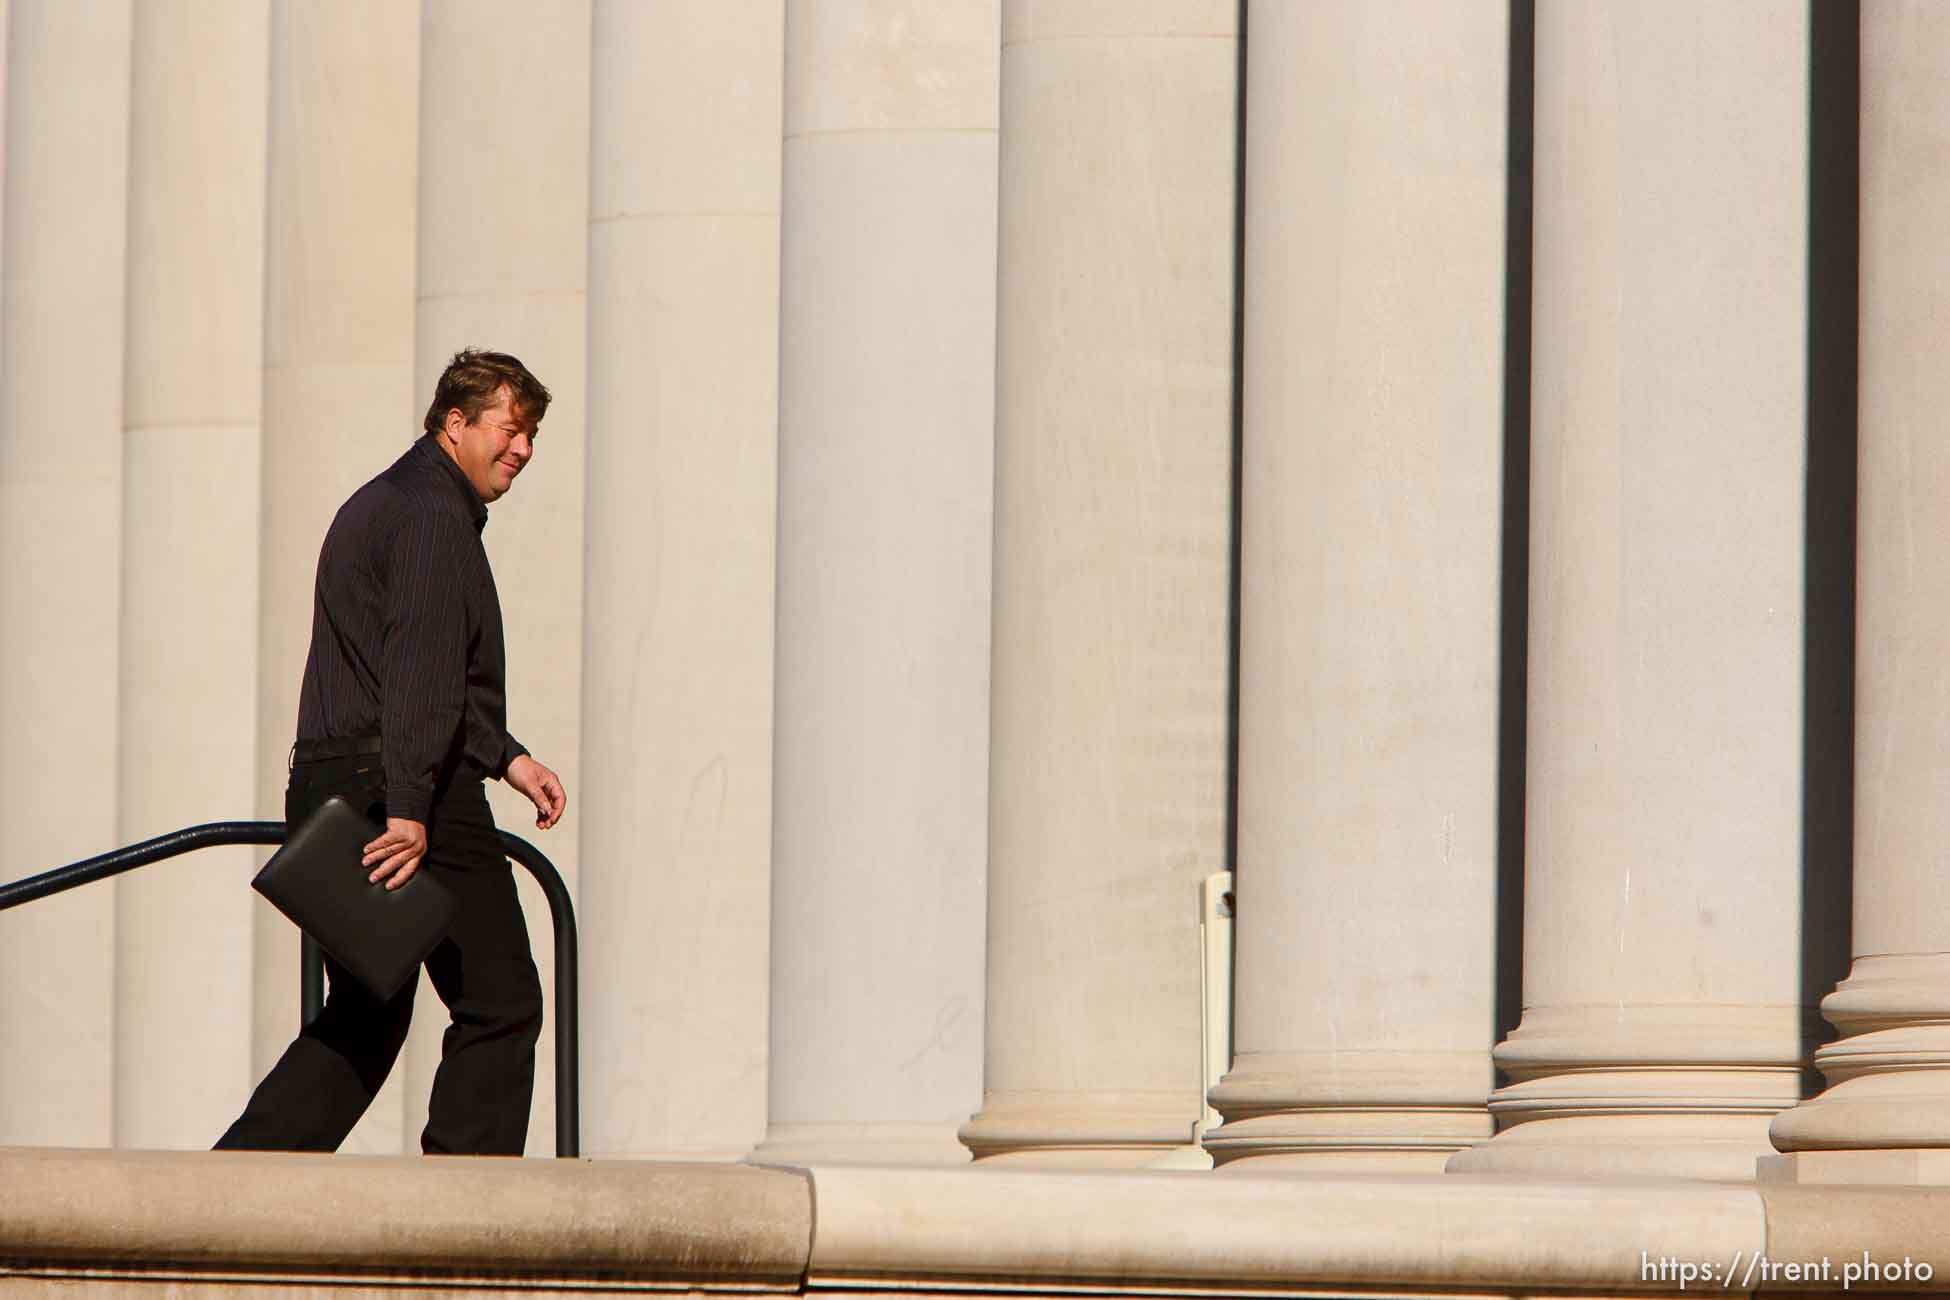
column 511, row 749
column 414, row 805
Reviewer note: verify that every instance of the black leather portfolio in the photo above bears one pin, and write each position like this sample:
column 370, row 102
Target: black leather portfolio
column 318, row 880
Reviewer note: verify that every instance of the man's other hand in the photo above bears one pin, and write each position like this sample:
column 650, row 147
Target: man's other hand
column 543, row 788
column 397, row 853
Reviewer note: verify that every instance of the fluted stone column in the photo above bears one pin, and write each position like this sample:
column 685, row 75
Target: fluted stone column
column 1112, row 573
column 677, row 651
column 1883, row 1117
column 1662, row 1016
column 188, row 711
column 503, row 252
column 886, row 393
column 61, row 332
column 1375, row 193
column 339, row 398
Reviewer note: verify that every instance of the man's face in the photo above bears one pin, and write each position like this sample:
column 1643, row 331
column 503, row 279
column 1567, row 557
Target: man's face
column 491, row 450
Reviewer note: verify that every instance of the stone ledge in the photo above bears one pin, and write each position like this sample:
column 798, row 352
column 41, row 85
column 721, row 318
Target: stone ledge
column 193, row 1224
column 1206, row 1234
column 1901, row 1234
column 250, row 1217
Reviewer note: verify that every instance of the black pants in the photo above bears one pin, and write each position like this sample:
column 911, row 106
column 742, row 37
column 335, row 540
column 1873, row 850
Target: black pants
column 482, row 970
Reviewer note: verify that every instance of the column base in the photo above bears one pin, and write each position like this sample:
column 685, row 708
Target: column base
column 1891, row 1091
column 1383, row 1111
column 1383, row 1140
column 1084, row 1130
column 924, row 1145
column 1682, row 1091
column 1889, row 1076
column 1713, row 1149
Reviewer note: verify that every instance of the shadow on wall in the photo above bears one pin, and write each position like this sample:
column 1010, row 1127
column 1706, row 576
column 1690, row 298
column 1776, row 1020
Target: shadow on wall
column 1235, row 600
column 1828, row 650
column 1512, row 618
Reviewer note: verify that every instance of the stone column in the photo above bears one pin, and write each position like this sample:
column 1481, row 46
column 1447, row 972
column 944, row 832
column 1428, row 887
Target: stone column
column 1883, row 1117
column 886, row 404
column 5, row 24
column 1114, row 466
column 1364, row 1002
column 503, row 253
column 339, row 398
column 189, row 563
column 61, row 332
column 677, row 649
column 1662, row 1016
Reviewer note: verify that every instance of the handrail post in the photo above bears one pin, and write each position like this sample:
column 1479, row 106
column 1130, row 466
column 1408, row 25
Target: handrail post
column 568, row 999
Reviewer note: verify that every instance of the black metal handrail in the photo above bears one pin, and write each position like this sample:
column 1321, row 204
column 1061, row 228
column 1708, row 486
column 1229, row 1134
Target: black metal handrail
column 568, row 1109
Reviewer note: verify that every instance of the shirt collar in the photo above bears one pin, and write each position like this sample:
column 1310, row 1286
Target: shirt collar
column 469, row 500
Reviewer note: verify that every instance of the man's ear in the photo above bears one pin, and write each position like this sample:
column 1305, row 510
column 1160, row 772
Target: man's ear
column 453, row 423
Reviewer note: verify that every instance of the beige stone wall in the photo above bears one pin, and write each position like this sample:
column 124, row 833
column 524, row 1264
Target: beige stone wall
column 1112, row 566
column 61, row 411
column 339, row 397
column 1663, row 1019
column 180, row 422
column 677, row 660
column 880, row 751
column 1373, row 435
column 504, row 112
column 874, row 586
column 1885, row 1073
column 189, row 593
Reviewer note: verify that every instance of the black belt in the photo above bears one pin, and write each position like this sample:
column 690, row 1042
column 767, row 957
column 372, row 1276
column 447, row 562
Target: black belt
column 316, row 751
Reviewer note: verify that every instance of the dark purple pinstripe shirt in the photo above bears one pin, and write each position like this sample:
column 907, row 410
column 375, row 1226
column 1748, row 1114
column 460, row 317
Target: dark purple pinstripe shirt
column 406, row 632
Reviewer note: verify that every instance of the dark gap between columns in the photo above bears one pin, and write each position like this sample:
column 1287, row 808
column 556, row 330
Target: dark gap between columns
column 1238, row 492
column 1828, row 637
column 1513, row 629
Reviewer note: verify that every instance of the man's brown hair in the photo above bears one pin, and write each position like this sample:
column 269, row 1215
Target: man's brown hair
column 472, row 382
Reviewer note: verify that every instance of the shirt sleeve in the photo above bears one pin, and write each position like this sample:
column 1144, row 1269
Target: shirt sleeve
column 423, row 674
column 511, row 749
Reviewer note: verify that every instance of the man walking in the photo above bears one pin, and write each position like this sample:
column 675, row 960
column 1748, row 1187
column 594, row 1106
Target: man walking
column 403, row 710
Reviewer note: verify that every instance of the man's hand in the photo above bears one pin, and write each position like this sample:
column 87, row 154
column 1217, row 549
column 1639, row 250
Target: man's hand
column 543, row 788
column 398, row 852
